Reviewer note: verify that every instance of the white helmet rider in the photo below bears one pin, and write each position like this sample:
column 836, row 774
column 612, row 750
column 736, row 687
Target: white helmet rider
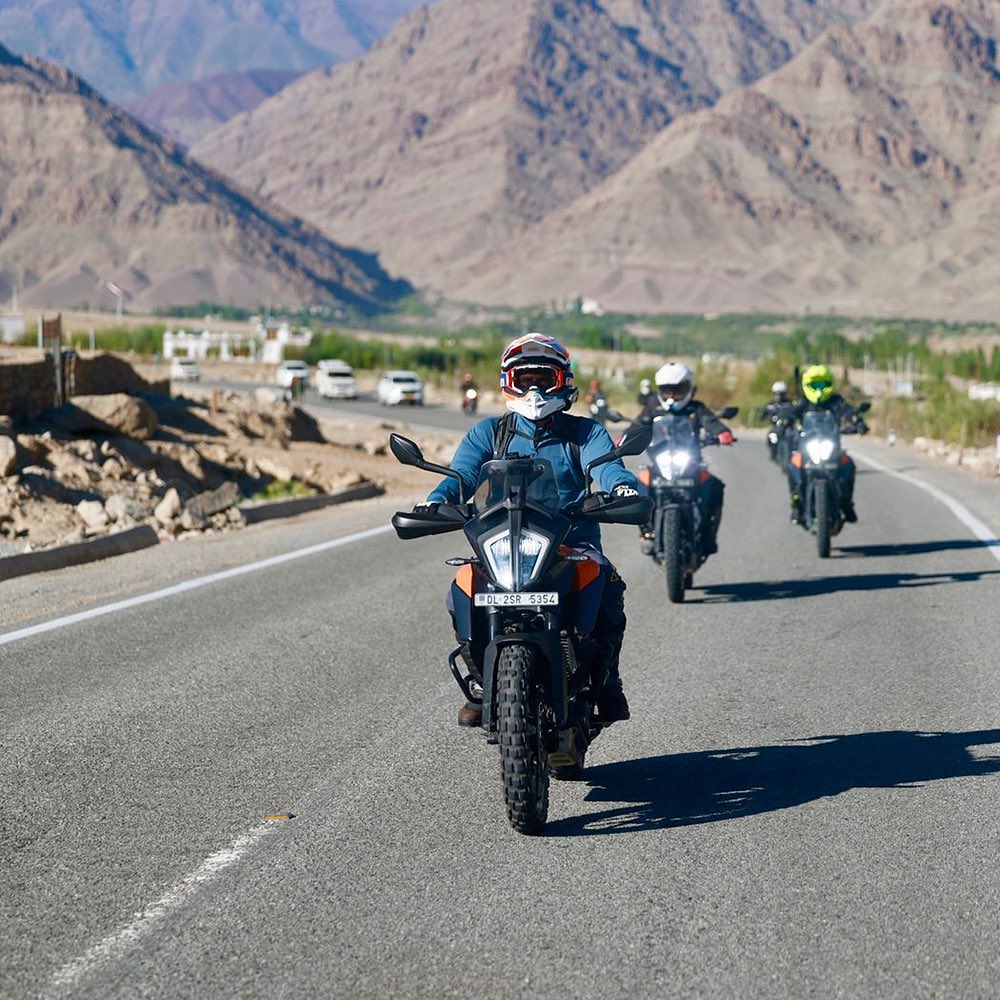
column 780, row 389
column 675, row 385
column 536, row 379
column 645, row 387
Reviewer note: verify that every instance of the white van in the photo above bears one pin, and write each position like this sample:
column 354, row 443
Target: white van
column 335, row 379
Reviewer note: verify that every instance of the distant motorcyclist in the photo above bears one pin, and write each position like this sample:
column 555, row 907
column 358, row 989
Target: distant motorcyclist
column 536, row 383
column 675, row 389
column 597, row 400
column 778, row 410
column 645, row 393
column 469, row 393
column 818, row 394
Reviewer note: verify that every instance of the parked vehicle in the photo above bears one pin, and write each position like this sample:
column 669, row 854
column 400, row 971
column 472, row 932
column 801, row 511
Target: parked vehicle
column 184, row 370
column 524, row 609
column 288, row 371
column 819, row 450
column 674, row 478
column 335, row 379
column 397, row 387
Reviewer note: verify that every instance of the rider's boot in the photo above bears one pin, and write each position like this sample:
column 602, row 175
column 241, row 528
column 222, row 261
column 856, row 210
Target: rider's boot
column 647, row 544
column 795, row 515
column 471, row 714
column 850, row 514
column 612, row 705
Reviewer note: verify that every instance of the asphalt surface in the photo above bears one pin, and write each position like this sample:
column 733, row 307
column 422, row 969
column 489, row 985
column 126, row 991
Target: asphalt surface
column 803, row 804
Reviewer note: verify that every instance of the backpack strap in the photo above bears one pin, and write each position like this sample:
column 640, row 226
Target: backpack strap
column 504, row 432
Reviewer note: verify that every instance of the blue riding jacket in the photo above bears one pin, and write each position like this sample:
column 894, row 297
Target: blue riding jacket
column 552, row 441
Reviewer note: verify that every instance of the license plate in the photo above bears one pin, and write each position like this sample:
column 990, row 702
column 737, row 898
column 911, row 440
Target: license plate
column 516, row 600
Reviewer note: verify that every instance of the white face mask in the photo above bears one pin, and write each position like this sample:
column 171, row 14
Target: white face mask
column 535, row 406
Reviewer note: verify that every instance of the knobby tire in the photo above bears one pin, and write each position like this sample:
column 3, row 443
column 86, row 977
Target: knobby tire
column 673, row 569
column 822, row 505
column 524, row 762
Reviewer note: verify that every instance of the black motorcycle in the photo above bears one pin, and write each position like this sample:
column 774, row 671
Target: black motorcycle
column 470, row 401
column 818, row 454
column 674, row 475
column 525, row 609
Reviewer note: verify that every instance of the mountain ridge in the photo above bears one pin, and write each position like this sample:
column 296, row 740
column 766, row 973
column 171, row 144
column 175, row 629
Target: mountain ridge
column 86, row 189
column 469, row 123
column 846, row 177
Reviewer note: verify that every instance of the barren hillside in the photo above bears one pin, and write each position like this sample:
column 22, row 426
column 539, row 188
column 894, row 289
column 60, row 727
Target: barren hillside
column 87, row 194
column 863, row 174
column 474, row 119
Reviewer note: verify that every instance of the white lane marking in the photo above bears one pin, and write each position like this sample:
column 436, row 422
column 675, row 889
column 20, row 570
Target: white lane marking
column 980, row 530
column 113, row 946
column 180, row 588
column 326, row 799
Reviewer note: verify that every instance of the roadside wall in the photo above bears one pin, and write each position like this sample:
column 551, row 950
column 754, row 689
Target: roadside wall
column 28, row 389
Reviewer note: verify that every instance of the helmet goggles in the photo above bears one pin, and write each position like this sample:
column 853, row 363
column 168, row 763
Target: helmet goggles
column 678, row 391
column 520, row 379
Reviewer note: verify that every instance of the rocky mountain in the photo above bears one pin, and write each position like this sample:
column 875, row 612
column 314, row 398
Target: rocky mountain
column 127, row 49
column 865, row 174
column 87, row 194
column 188, row 111
column 474, row 119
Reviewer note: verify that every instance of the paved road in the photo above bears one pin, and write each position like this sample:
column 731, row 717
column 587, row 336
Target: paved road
column 804, row 803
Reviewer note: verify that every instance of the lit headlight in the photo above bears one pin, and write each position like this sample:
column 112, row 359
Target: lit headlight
column 498, row 554
column 819, row 450
column 670, row 463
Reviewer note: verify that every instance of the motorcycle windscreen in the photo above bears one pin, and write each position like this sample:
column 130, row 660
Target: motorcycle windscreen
column 677, row 431
column 820, row 423
column 531, row 479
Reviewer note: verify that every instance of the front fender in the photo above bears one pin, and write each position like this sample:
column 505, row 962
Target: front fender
column 551, row 674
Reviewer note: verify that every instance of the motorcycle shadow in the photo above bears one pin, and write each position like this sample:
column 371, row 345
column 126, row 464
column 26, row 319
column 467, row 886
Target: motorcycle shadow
column 784, row 590
column 687, row 789
column 915, row 548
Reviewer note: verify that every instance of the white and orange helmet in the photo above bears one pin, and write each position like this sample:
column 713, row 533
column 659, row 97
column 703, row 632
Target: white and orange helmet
column 536, row 379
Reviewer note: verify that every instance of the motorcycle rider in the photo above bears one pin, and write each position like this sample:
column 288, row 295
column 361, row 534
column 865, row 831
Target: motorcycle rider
column 675, row 389
column 645, row 393
column 597, row 400
column 818, row 394
column 536, row 383
column 778, row 406
column 468, row 385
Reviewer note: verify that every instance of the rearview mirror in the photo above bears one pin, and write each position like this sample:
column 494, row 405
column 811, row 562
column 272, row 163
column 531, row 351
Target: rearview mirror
column 634, row 441
column 728, row 413
column 406, row 451
column 864, row 407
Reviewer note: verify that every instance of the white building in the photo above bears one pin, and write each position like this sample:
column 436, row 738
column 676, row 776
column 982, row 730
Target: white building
column 11, row 327
column 266, row 342
column 984, row 390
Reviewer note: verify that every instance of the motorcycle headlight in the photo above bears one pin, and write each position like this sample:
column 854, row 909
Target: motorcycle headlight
column 497, row 549
column 670, row 463
column 819, row 450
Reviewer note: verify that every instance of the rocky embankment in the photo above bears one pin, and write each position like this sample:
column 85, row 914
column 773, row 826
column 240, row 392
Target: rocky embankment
column 183, row 465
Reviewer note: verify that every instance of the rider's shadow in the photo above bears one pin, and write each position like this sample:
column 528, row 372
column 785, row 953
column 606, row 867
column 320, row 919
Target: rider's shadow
column 655, row 793
column 781, row 590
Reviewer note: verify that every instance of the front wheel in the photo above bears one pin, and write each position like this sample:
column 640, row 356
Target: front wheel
column 524, row 763
column 672, row 556
column 822, row 515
